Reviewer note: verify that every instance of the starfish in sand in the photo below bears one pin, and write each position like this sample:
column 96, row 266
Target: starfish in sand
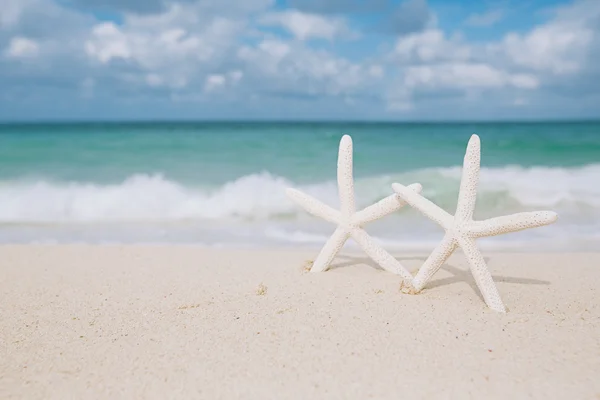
column 461, row 230
column 349, row 222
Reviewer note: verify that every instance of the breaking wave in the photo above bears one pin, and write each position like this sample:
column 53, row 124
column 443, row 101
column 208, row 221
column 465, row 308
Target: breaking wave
column 261, row 196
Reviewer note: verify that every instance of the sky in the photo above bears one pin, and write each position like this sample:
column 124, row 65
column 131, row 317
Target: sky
column 299, row 59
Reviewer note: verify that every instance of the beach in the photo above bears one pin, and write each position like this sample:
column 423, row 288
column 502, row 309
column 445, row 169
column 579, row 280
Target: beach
column 165, row 321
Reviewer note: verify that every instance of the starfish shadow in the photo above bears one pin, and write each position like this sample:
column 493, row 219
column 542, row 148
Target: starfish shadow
column 458, row 274
column 464, row 275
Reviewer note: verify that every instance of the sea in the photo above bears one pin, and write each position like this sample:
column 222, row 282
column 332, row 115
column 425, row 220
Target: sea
column 222, row 184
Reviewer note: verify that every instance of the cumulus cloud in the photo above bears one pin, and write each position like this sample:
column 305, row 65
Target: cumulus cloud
column 186, row 50
column 559, row 47
column 431, row 62
column 308, row 26
column 107, row 42
column 548, row 58
column 465, row 76
column 563, row 46
column 215, row 82
column 291, row 67
column 224, row 52
column 430, row 46
column 21, row 47
column 173, row 48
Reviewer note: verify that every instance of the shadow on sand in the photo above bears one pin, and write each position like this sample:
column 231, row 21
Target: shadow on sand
column 458, row 274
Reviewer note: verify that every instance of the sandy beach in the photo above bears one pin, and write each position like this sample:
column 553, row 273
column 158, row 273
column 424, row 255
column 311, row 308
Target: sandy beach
column 171, row 322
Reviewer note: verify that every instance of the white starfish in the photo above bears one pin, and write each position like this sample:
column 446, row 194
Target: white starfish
column 461, row 230
column 349, row 222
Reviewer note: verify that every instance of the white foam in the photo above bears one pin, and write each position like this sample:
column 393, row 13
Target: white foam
column 541, row 186
column 141, row 198
column 574, row 191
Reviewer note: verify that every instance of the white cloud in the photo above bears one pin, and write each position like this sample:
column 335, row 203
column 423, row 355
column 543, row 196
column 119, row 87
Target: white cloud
column 561, row 46
column 306, row 26
column 430, row 62
column 547, row 57
column 486, row 19
column 293, row 67
column 222, row 50
column 465, row 76
column 21, row 47
column 172, row 48
column 557, row 47
column 214, row 81
column 429, row 46
column 157, row 41
column 107, row 43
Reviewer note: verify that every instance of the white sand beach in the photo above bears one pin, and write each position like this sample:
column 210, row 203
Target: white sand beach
column 173, row 322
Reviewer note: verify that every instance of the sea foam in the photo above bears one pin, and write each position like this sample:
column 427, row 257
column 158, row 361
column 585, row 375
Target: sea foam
column 153, row 198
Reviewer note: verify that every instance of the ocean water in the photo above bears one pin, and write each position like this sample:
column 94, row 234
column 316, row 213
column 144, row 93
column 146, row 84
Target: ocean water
column 222, row 184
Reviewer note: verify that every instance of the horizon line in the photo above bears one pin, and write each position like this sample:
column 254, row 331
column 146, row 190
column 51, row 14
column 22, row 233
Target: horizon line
column 293, row 121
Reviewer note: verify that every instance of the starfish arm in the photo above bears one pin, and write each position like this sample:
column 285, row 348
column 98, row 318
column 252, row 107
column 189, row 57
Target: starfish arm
column 511, row 223
column 333, row 245
column 483, row 277
column 383, row 207
column 434, row 262
column 424, row 205
column 314, row 206
column 345, row 177
column 379, row 255
column 469, row 181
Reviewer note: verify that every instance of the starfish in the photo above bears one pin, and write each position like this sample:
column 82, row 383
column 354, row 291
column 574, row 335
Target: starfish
column 462, row 230
column 349, row 222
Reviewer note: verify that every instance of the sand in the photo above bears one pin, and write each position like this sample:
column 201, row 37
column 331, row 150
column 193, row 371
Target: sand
column 168, row 322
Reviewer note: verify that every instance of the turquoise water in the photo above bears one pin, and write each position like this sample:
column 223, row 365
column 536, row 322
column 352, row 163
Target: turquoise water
column 223, row 183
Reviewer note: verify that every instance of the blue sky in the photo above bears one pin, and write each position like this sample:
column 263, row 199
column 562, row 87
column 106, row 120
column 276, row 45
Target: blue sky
column 299, row 59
